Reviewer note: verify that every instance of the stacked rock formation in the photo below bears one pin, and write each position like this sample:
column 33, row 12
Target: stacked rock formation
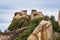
column 35, row 14
column 23, row 13
column 42, row 32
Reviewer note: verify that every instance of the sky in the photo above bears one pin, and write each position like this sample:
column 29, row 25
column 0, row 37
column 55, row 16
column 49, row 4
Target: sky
column 9, row 7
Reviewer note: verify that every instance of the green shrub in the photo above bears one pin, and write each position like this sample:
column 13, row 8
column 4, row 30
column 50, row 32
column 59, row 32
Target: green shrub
column 46, row 17
column 33, row 24
column 18, row 23
column 55, row 24
column 23, row 22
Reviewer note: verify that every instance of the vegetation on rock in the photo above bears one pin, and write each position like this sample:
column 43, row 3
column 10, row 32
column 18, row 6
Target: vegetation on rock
column 18, row 23
column 33, row 24
column 55, row 24
column 24, row 22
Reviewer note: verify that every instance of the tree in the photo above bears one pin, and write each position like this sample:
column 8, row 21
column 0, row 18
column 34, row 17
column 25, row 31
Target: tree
column 35, row 22
column 46, row 17
column 55, row 24
column 52, row 18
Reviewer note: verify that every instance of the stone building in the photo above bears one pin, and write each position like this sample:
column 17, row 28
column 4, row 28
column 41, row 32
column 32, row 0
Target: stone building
column 35, row 14
column 59, row 18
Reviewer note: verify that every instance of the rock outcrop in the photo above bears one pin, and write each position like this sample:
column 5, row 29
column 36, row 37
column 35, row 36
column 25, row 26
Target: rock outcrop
column 11, row 35
column 56, row 35
column 59, row 18
column 35, row 14
column 23, row 13
column 42, row 32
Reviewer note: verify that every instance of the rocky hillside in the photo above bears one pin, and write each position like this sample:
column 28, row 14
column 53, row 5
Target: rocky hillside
column 31, row 22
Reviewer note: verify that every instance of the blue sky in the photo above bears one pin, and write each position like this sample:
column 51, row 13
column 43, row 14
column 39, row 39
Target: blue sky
column 9, row 7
